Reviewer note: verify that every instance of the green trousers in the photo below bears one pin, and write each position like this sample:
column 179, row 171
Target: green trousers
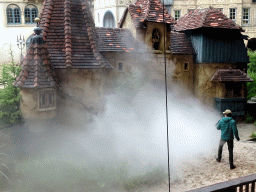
column 230, row 150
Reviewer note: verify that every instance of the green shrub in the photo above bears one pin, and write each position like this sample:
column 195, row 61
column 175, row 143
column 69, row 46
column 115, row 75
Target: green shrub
column 249, row 119
column 251, row 86
column 253, row 135
column 9, row 95
column 251, row 71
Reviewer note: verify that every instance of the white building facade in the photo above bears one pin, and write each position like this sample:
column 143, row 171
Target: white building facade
column 16, row 20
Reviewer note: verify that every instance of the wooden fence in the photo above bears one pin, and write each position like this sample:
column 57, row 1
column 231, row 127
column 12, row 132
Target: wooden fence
column 241, row 184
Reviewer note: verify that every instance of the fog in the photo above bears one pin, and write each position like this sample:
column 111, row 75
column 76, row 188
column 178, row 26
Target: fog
column 129, row 138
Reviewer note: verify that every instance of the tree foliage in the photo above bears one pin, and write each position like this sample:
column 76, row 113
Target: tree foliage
column 251, row 86
column 9, row 94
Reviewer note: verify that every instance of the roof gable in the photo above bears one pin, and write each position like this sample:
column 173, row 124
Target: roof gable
column 209, row 17
column 180, row 44
column 36, row 68
column 117, row 40
column 230, row 75
column 69, row 32
column 147, row 10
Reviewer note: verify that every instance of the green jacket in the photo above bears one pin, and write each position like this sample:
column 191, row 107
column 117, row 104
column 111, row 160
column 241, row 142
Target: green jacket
column 228, row 128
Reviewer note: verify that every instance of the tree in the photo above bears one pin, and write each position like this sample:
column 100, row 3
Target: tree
column 251, row 71
column 9, row 94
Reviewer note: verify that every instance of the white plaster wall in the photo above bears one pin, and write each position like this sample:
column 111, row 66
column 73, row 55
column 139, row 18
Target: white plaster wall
column 9, row 32
column 250, row 30
column 117, row 8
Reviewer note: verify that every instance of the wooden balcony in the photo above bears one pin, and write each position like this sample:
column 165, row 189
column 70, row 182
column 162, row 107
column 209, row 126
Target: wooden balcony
column 242, row 184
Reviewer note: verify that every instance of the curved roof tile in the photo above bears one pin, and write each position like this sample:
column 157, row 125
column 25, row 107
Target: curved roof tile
column 208, row 17
column 147, row 10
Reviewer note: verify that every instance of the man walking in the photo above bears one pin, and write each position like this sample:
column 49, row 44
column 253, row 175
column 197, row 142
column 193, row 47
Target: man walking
column 228, row 128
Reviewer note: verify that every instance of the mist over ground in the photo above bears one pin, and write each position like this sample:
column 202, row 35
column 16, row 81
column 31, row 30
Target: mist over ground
column 123, row 147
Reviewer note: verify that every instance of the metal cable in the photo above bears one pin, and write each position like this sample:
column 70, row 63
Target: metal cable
column 166, row 104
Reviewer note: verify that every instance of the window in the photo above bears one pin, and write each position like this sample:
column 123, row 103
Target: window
column 108, row 20
column 30, row 14
column 13, row 14
column 47, row 100
column 98, row 17
column 120, row 66
column 246, row 16
column 220, row 9
column 232, row 14
column 186, row 66
column 190, row 10
column 156, row 39
column 177, row 14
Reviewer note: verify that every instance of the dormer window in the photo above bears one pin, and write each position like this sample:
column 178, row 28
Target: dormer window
column 120, row 66
column 47, row 100
column 156, row 39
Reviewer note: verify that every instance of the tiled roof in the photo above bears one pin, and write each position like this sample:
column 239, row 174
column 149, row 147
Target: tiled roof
column 147, row 10
column 36, row 66
column 117, row 40
column 180, row 44
column 69, row 32
column 209, row 17
column 231, row 75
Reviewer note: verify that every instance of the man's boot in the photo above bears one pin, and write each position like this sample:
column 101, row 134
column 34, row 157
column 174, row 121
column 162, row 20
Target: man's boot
column 232, row 166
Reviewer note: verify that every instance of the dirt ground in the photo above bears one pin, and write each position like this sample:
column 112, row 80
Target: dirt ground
column 207, row 170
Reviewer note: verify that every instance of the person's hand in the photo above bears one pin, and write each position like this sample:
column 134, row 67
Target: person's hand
column 238, row 139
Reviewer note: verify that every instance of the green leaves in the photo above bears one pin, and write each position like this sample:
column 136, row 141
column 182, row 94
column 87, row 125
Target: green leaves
column 251, row 71
column 9, row 95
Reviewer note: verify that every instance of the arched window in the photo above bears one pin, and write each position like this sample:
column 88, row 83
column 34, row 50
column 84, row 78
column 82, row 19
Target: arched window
column 108, row 20
column 30, row 14
column 156, row 39
column 13, row 14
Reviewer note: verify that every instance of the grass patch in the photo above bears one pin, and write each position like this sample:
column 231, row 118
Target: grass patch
column 253, row 135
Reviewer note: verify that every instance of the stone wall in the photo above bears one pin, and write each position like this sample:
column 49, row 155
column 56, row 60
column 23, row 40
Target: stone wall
column 29, row 105
column 204, row 89
column 83, row 86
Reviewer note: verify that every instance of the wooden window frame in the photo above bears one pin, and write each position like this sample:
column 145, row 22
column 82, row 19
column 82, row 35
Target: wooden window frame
column 243, row 17
column 118, row 66
column 177, row 14
column 231, row 14
column 44, row 97
column 30, row 13
column 13, row 14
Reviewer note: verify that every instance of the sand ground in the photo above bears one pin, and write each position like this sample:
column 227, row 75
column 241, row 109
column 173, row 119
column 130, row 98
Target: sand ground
column 207, row 170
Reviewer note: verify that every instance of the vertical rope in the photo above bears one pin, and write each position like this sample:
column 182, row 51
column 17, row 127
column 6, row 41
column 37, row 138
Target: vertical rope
column 166, row 103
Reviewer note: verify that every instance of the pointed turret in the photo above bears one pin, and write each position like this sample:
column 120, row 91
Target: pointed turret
column 69, row 32
column 36, row 68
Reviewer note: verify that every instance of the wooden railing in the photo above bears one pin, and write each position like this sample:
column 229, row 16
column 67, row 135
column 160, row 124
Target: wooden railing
column 241, row 184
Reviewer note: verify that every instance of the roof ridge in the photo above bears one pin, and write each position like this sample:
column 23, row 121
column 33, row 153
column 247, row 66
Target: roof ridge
column 36, row 66
column 45, row 19
column 147, row 10
column 93, row 36
column 206, row 12
column 67, row 32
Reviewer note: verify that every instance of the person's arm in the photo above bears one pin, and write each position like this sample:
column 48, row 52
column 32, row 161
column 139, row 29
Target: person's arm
column 218, row 125
column 235, row 131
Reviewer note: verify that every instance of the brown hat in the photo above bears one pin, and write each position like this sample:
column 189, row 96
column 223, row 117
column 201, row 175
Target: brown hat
column 227, row 111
